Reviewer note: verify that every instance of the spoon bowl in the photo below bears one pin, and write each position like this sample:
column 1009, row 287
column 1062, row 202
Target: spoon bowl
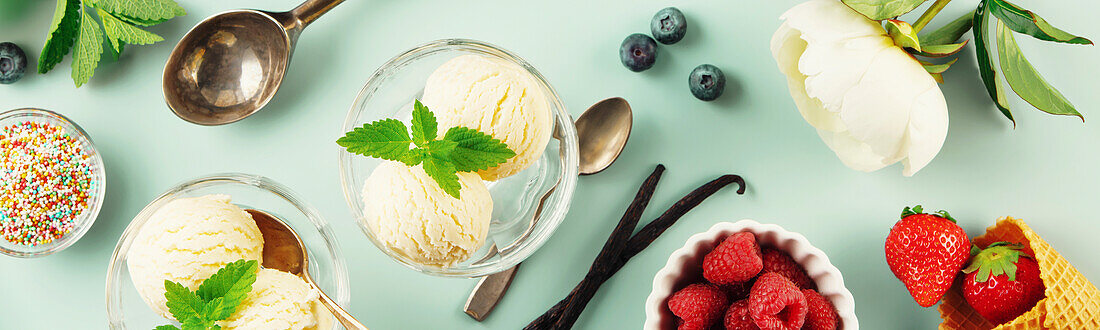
column 283, row 250
column 602, row 132
column 227, row 67
column 230, row 65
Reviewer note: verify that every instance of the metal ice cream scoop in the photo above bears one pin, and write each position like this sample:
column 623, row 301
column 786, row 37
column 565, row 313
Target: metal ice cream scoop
column 230, row 64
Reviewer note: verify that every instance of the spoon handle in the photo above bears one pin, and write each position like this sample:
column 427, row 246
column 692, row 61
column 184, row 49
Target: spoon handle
column 309, row 11
column 349, row 322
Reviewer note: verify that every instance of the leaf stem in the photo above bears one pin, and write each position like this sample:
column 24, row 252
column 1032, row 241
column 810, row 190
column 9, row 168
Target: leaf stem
column 929, row 14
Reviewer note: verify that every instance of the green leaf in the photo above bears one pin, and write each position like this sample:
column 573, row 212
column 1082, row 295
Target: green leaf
column 185, row 306
column 938, row 68
column 883, row 9
column 1027, row 22
column 120, row 33
column 475, row 151
column 226, row 289
column 424, row 126
column 166, row 327
column 149, row 11
column 86, row 52
column 443, row 172
column 903, row 34
column 985, row 64
column 63, row 31
column 995, row 260
column 950, row 33
column 441, row 149
column 386, row 139
column 1026, row 82
column 940, row 50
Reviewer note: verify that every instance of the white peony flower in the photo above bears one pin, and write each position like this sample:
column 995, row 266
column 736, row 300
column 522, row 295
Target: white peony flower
column 871, row 102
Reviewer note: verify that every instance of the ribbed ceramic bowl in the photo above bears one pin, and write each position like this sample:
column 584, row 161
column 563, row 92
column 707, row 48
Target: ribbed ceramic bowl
column 684, row 268
column 95, row 194
column 126, row 309
column 390, row 92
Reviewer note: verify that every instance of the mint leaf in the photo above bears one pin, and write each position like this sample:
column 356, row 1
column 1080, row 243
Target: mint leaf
column 63, row 32
column 476, row 151
column 120, row 33
column 89, row 45
column 441, row 149
column 386, row 139
column 185, row 306
column 1026, row 81
column 443, row 172
column 226, row 289
column 424, row 126
column 166, row 327
column 149, row 11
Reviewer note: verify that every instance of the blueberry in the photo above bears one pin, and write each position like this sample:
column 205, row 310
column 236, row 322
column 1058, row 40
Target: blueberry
column 638, row 52
column 13, row 63
column 707, row 82
column 668, row 25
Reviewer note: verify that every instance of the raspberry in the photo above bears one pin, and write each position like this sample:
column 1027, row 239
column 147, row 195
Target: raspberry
column 738, row 290
column 821, row 315
column 776, row 304
column 738, row 318
column 698, row 305
column 736, row 259
column 782, row 263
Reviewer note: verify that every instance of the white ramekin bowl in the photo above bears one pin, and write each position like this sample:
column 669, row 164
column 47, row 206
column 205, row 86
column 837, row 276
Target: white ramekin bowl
column 684, row 268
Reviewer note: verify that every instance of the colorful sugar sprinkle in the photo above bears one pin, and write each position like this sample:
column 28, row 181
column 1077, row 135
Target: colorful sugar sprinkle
column 45, row 179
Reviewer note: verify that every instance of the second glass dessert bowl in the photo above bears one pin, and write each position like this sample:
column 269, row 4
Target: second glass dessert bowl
column 512, row 236
column 127, row 310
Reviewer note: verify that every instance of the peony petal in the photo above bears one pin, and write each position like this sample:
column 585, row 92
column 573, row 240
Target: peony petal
column 871, row 102
column 927, row 130
column 878, row 110
column 854, row 154
column 787, row 46
column 829, row 20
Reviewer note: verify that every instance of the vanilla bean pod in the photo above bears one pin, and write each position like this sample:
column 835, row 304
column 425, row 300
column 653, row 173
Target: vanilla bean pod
column 635, row 245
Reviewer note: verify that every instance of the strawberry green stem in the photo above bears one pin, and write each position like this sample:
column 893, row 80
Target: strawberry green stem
column 929, row 14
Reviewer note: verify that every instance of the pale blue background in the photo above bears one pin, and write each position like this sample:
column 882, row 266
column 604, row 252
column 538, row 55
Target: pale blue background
column 1044, row 171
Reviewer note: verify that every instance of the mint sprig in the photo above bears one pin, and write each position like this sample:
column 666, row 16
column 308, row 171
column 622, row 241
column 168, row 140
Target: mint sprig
column 74, row 29
column 216, row 299
column 462, row 149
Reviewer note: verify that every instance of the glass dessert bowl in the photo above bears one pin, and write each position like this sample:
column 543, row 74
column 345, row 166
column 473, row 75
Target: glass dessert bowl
column 97, row 175
column 127, row 310
column 550, row 177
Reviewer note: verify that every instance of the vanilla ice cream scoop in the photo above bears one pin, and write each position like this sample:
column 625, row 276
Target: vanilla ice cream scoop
column 409, row 213
column 495, row 97
column 186, row 241
column 279, row 300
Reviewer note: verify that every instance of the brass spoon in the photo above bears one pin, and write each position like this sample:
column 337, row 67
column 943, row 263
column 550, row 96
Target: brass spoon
column 602, row 132
column 284, row 250
column 230, row 64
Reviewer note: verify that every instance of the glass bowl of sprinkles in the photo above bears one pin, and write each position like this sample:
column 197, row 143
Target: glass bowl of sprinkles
column 52, row 182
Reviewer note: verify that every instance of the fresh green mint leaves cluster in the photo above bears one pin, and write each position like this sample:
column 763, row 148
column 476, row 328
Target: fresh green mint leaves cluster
column 74, row 29
column 216, row 299
column 460, row 150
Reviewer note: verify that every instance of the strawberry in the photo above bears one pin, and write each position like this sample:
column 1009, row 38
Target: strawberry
column 926, row 251
column 1002, row 282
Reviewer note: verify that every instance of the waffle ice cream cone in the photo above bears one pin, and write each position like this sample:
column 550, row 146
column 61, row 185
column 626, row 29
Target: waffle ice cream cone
column 1071, row 302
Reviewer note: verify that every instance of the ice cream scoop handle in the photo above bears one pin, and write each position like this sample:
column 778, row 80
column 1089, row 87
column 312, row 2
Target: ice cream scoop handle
column 349, row 322
column 310, row 10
